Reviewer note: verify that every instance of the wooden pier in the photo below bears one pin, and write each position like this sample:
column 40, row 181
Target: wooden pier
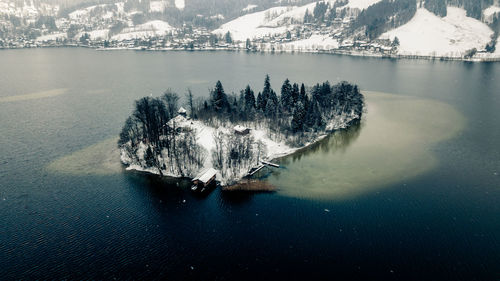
column 263, row 164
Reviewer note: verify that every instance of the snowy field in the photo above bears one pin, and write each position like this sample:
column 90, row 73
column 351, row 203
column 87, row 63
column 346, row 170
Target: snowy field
column 148, row 29
column 254, row 25
column 429, row 35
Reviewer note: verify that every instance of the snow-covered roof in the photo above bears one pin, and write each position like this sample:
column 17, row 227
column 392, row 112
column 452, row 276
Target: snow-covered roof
column 240, row 129
column 206, row 175
column 182, row 110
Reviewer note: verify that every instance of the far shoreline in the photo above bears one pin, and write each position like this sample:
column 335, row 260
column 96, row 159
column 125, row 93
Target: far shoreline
column 347, row 53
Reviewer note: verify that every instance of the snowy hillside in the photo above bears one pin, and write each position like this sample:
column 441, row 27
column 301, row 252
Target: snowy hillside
column 276, row 20
column 360, row 4
column 429, row 35
column 145, row 30
column 254, row 25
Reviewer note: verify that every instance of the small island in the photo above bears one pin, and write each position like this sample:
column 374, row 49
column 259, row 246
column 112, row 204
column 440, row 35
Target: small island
column 233, row 134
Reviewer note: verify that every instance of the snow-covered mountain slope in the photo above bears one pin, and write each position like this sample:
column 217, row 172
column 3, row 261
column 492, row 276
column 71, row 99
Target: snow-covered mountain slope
column 360, row 4
column 429, row 35
column 145, row 30
column 254, row 25
column 294, row 15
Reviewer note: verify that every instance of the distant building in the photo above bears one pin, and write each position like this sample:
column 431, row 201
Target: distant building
column 240, row 130
column 182, row 111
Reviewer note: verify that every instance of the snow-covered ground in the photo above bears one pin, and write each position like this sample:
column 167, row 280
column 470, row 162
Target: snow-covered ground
column 52, row 37
column 429, row 35
column 100, row 34
column 145, row 30
column 254, row 25
column 314, row 43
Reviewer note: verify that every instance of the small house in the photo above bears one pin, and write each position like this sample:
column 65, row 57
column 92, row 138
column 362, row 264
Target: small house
column 182, row 111
column 240, row 130
column 204, row 179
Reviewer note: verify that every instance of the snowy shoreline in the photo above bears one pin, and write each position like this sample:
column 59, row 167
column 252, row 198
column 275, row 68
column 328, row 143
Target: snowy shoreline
column 351, row 53
column 479, row 58
column 275, row 150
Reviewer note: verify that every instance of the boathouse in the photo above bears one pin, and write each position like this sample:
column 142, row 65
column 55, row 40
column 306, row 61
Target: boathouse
column 205, row 178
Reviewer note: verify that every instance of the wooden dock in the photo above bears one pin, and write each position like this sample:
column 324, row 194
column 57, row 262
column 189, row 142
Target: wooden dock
column 255, row 170
column 270, row 164
column 263, row 164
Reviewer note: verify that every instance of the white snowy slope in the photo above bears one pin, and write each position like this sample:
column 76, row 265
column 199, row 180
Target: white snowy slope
column 254, row 25
column 360, row 4
column 429, row 35
column 180, row 4
column 294, row 15
column 145, row 30
column 316, row 42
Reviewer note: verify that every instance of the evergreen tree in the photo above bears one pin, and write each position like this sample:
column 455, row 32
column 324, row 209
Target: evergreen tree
column 295, row 93
column 286, row 95
column 249, row 98
column 228, row 38
column 302, row 94
column 219, row 99
column 260, row 102
column 298, row 118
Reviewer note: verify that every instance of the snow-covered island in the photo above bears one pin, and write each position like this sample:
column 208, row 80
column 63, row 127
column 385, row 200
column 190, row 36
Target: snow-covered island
column 233, row 133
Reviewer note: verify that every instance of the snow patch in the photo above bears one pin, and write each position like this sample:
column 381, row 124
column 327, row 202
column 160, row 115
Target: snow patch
column 249, row 8
column 180, row 4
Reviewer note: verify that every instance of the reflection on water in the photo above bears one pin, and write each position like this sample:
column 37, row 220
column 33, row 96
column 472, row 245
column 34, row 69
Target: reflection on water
column 34, row 96
column 392, row 144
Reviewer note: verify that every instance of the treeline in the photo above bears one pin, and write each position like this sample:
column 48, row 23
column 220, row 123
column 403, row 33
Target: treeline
column 294, row 111
column 384, row 15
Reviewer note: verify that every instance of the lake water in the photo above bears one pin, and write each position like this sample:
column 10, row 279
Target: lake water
column 412, row 193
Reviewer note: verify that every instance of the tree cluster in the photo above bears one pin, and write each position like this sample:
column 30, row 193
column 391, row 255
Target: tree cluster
column 297, row 109
column 152, row 127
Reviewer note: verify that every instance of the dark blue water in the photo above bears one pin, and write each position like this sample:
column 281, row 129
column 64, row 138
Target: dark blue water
column 443, row 225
